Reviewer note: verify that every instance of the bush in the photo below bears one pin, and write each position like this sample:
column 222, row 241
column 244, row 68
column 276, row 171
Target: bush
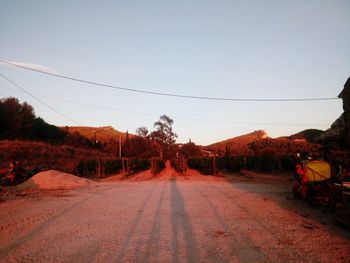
column 266, row 162
column 87, row 168
column 157, row 165
column 204, row 165
column 179, row 164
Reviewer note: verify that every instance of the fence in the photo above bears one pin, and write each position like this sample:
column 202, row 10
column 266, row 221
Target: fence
column 128, row 166
column 179, row 164
column 263, row 163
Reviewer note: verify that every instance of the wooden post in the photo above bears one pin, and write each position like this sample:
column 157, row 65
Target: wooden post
column 183, row 166
column 128, row 168
column 123, row 166
column 120, row 147
column 152, row 166
column 214, row 165
column 99, row 168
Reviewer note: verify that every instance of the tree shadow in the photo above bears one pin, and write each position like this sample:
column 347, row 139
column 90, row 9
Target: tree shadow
column 238, row 244
column 152, row 247
column 123, row 248
column 181, row 228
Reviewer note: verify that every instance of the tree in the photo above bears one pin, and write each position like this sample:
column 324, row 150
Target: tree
column 16, row 119
column 142, row 131
column 141, row 147
column 163, row 135
column 190, row 149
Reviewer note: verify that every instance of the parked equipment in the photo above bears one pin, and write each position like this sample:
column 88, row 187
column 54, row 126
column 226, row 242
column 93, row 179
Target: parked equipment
column 315, row 182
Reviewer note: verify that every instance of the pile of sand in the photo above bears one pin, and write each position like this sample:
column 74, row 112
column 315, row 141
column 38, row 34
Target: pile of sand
column 52, row 179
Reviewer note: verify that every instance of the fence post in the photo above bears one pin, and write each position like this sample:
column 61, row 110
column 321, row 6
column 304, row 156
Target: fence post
column 152, row 166
column 184, row 165
column 123, row 166
column 214, row 165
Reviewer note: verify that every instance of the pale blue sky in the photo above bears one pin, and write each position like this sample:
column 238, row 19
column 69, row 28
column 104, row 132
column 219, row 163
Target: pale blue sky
column 236, row 49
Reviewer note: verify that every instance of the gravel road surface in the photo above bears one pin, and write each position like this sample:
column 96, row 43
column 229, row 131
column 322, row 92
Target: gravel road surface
column 168, row 220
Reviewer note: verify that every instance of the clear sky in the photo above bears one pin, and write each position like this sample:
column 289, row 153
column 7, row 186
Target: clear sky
column 234, row 49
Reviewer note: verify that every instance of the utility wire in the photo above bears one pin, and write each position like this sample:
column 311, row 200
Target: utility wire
column 181, row 118
column 168, row 94
column 34, row 97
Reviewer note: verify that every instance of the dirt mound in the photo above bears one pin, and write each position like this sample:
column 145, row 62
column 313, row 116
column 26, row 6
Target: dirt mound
column 53, row 179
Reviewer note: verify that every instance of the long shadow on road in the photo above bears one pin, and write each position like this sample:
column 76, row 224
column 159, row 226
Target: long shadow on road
column 154, row 237
column 123, row 249
column 181, row 224
column 241, row 246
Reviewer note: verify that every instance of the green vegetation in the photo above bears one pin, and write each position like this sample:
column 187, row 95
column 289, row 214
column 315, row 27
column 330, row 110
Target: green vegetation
column 267, row 162
column 88, row 168
column 18, row 121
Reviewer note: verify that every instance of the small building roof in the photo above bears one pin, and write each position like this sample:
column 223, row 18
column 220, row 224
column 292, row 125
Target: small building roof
column 346, row 89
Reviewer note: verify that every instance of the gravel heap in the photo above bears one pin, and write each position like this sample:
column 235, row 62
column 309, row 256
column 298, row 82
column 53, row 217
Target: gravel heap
column 53, row 179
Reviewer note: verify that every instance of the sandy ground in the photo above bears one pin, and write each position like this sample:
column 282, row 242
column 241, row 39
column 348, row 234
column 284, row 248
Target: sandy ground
column 170, row 218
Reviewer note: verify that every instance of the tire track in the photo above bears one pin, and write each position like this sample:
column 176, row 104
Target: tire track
column 119, row 255
column 34, row 233
column 296, row 254
column 239, row 244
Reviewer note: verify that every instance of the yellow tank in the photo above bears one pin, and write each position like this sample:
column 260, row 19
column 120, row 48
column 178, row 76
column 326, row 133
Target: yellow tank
column 316, row 171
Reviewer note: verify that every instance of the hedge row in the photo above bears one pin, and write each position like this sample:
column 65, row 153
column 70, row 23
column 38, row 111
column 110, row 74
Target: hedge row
column 87, row 168
column 179, row 164
column 204, row 165
column 157, row 165
column 263, row 163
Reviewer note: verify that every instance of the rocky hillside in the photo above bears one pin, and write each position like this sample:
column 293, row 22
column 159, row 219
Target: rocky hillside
column 237, row 145
column 336, row 133
column 309, row 135
column 258, row 142
column 101, row 134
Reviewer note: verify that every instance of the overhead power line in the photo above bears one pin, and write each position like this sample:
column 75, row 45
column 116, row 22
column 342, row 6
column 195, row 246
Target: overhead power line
column 176, row 117
column 37, row 99
column 169, row 94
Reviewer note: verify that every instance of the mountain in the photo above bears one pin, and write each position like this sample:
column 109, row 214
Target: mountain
column 309, row 135
column 237, row 145
column 102, row 134
column 335, row 134
column 258, row 143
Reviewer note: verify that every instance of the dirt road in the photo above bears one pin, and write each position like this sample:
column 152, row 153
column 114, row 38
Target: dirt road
column 172, row 220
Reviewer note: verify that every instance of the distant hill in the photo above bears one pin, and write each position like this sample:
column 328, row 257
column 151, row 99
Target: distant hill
column 237, row 145
column 335, row 134
column 309, row 135
column 258, row 142
column 103, row 134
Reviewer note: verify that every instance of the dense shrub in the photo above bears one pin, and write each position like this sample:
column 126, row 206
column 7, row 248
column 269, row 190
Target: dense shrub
column 157, row 165
column 230, row 163
column 102, row 167
column 266, row 162
column 179, row 164
column 204, row 165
